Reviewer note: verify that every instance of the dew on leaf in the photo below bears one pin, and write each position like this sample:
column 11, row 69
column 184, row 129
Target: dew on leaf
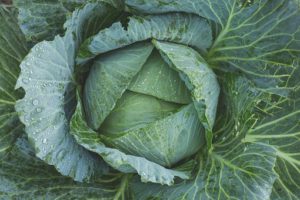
column 25, row 80
column 39, row 109
column 61, row 154
column 35, row 102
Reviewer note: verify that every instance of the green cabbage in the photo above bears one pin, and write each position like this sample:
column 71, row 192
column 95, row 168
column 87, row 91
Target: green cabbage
column 161, row 99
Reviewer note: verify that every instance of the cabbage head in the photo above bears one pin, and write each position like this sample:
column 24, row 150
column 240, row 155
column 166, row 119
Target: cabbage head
column 161, row 99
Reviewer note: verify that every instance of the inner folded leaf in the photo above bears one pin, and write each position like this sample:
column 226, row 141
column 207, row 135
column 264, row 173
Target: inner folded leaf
column 156, row 78
column 134, row 111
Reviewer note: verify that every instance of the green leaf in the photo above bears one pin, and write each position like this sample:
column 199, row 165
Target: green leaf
column 181, row 28
column 108, row 79
column 233, row 169
column 133, row 111
column 264, row 48
column 12, row 51
column 23, row 176
column 71, row 5
column 46, row 77
column 260, row 40
column 281, row 130
column 39, row 19
column 149, row 171
column 157, row 79
column 49, row 102
column 161, row 140
column 216, row 10
column 92, row 18
column 199, row 79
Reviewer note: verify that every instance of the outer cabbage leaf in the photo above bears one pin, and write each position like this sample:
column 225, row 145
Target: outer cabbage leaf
column 261, row 40
column 281, row 130
column 199, row 79
column 92, row 18
column 279, row 127
column 47, row 105
column 12, row 51
column 39, row 19
column 180, row 28
column 33, row 179
column 71, row 5
column 233, row 169
column 47, row 78
column 149, row 171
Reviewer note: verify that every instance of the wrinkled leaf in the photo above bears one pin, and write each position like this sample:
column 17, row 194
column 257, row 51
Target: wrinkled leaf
column 165, row 141
column 181, row 28
column 12, row 51
column 39, row 19
column 47, row 78
column 34, row 179
column 233, row 170
column 260, row 40
column 199, row 79
column 149, row 171
column 281, row 130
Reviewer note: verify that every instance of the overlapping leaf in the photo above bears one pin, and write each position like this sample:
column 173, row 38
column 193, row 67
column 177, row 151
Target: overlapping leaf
column 149, row 171
column 12, row 51
column 39, row 19
column 260, row 40
column 47, row 78
column 179, row 28
column 109, row 77
column 233, row 169
column 34, row 179
column 198, row 77
column 281, row 130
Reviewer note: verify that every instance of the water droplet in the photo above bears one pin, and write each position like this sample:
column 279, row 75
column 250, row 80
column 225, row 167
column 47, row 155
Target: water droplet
column 143, row 174
column 25, row 80
column 61, row 154
column 39, row 109
column 35, row 102
column 26, row 118
column 44, row 141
